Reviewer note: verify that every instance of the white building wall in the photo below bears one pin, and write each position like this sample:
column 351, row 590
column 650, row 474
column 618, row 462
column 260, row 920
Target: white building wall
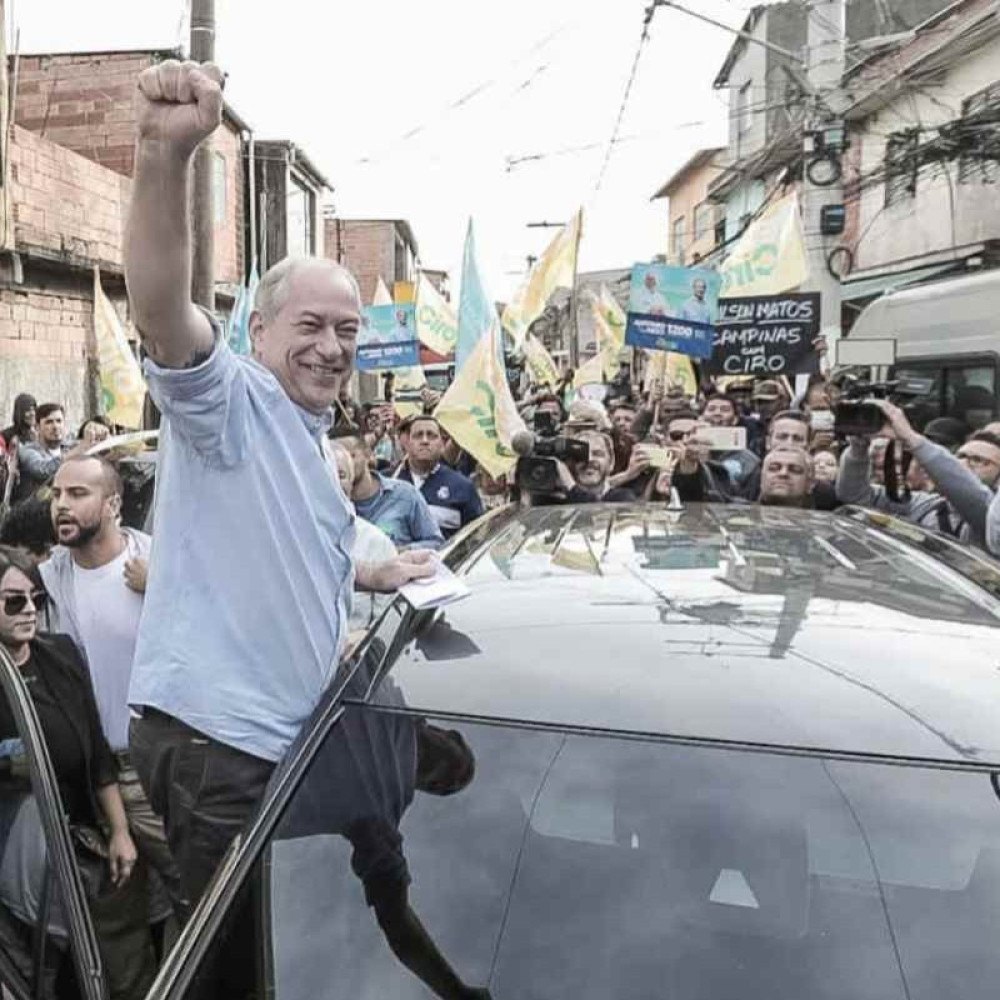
column 912, row 227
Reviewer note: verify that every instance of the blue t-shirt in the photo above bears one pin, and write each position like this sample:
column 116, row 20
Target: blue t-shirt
column 400, row 511
column 250, row 573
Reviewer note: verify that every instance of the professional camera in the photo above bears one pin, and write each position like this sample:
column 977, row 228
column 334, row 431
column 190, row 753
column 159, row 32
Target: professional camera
column 856, row 416
column 538, row 451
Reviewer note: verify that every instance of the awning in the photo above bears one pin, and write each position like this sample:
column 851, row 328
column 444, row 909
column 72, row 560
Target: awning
column 867, row 288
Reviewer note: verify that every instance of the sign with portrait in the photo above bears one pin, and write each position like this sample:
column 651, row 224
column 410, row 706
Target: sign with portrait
column 388, row 338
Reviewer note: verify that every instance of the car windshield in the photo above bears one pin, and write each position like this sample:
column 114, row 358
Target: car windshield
column 421, row 857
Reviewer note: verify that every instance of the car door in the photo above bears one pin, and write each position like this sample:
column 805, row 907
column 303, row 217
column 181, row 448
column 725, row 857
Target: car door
column 46, row 936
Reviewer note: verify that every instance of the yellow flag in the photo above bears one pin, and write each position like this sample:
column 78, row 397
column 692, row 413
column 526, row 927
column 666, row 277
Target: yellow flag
column 409, row 382
column 122, row 385
column 608, row 345
column 590, row 372
column 381, row 296
column 672, row 370
column 437, row 322
column 539, row 361
column 479, row 412
column 556, row 268
column 770, row 257
column 613, row 314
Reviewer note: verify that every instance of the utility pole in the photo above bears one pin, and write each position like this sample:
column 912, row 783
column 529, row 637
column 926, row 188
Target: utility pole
column 202, row 214
column 825, row 141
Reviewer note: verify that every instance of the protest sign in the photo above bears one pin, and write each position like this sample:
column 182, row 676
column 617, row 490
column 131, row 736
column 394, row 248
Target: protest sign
column 672, row 309
column 388, row 338
column 766, row 335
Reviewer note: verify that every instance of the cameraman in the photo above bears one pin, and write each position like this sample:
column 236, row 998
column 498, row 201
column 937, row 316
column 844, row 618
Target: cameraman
column 964, row 482
column 587, row 482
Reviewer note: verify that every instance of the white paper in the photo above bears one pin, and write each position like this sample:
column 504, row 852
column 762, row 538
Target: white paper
column 436, row 591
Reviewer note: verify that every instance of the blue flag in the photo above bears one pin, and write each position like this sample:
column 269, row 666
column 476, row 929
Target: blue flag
column 238, row 328
column 477, row 315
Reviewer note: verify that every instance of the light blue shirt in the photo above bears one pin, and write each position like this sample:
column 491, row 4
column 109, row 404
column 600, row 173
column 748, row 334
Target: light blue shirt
column 696, row 310
column 402, row 513
column 250, row 574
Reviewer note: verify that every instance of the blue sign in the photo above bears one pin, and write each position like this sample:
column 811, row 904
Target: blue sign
column 388, row 338
column 673, row 309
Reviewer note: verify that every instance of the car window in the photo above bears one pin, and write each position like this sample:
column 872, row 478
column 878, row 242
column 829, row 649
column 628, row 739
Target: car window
column 423, row 857
column 966, row 390
column 46, row 939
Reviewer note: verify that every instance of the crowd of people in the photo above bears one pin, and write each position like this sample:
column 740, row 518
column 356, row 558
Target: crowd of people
column 170, row 677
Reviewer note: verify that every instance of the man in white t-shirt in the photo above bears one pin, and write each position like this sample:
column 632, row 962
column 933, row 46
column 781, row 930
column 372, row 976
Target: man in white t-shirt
column 95, row 578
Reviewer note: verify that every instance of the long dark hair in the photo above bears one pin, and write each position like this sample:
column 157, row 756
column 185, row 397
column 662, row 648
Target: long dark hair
column 22, row 403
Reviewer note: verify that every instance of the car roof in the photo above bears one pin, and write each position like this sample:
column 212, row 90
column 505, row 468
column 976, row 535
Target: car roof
column 753, row 625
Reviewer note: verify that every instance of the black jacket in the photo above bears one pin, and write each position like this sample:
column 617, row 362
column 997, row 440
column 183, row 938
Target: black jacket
column 59, row 665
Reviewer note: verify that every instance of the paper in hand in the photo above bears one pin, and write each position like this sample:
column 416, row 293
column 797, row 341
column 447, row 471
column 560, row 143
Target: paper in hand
column 435, row 591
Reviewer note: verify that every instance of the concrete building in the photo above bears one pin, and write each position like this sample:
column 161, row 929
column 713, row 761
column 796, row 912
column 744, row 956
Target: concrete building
column 694, row 219
column 924, row 164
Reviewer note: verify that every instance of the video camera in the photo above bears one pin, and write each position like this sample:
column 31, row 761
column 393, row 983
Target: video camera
column 539, row 450
column 856, row 416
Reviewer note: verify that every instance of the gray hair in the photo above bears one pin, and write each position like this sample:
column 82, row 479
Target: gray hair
column 272, row 292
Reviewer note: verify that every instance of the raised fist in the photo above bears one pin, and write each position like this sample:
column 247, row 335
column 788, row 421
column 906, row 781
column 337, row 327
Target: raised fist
column 179, row 104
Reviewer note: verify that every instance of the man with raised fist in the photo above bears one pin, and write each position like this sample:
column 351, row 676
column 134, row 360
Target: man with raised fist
column 247, row 600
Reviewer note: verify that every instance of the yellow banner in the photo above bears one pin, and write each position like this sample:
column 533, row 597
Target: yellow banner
column 437, row 321
column 590, row 372
column 613, row 314
column 539, row 362
column 122, row 385
column 479, row 412
column 673, row 370
column 404, row 292
column 408, row 381
column 770, row 257
column 556, row 268
column 608, row 344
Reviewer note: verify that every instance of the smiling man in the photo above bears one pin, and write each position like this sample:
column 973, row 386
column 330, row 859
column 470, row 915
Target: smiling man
column 251, row 572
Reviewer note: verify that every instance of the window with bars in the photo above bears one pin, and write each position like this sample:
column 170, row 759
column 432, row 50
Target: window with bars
column 901, row 164
column 980, row 125
column 703, row 220
column 678, row 240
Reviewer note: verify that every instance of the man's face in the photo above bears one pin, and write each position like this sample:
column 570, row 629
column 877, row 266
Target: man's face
column 51, row 429
column 309, row 345
column 358, row 451
column 425, row 444
column 788, row 432
column 650, row 282
column 982, row 460
column 592, row 474
column 345, row 467
column 551, row 406
column 699, row 288
column 785, row 478
column 767, row 406
column 825, row 467
column 719, row 413
column 81, row 506
column 621, row 419
column 375, row 423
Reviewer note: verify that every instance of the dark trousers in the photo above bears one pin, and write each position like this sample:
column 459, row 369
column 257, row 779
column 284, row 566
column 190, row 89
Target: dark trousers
column 205, row 792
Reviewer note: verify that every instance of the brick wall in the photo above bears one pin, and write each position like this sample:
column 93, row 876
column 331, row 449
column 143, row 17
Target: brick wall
column 65, row 206
column 366, row 248
column 85, row 102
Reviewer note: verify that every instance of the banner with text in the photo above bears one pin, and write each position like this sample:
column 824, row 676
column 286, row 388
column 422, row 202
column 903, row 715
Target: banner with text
column 766, row 335
column 673, row 309
column 388, row 338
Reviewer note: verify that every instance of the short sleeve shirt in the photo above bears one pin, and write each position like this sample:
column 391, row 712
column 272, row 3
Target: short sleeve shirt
column 250, row 575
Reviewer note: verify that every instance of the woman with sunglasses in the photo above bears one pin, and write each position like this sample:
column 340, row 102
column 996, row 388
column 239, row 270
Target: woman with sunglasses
column 86, row 772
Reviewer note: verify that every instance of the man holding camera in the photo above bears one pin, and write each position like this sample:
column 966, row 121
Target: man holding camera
column 587, row 481
column 965, row 481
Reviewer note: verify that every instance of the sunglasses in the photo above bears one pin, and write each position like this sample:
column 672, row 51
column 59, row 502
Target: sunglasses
column 678, row 435
column 14, row 604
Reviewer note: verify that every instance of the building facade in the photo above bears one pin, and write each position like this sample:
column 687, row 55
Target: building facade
column 373, row 249
column 693, row 217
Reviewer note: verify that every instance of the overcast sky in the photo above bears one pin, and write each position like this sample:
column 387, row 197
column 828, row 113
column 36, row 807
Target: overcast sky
column 368, row 90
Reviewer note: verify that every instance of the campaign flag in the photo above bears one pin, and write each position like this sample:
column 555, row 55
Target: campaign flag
column 614, row 316
column 238, row 327
column 477, row 315
column 673, row 309
column 673, row 371
column 591, row 372
column 437, row 324
column 381, row 296
column 539, row 361
column 406, row 397
column 556, row 268
column 122, row 386
column 608, row 345
column 768, row 335
column 770, row 257
column 388, row 338
column 479, row 412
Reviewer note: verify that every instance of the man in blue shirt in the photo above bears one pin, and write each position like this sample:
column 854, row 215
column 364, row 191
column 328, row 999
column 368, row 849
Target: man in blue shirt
column 250, row 573
column 397, row 508
column 451, row 497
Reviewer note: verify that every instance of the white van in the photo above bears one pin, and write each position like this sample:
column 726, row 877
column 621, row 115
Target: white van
column 948, row 331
